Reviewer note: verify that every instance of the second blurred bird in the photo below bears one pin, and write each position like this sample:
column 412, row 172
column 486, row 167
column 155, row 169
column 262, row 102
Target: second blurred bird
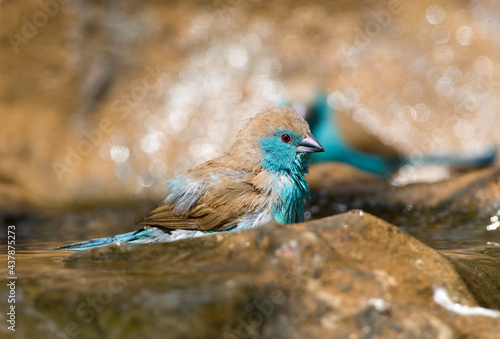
column 379, row 159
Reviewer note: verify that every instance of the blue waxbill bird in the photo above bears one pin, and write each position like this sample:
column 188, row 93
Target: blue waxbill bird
column 258, row 180
column 322, row 120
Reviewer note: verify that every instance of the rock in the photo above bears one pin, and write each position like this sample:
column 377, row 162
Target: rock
column 344, row 182
column 458, row 208
column 480, row 269
column 351, row 275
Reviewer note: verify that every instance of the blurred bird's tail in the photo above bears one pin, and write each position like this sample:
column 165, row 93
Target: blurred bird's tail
column 455, row 160
column 145, row 235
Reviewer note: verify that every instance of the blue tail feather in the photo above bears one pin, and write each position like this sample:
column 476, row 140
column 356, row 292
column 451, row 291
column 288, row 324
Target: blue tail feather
column 142, row 236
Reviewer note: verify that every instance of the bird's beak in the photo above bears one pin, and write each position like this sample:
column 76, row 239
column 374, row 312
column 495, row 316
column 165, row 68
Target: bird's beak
column 309, row 145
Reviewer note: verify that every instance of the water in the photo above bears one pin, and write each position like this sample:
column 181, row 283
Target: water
column 456, row 231
column 35, row 235
column 98, row 292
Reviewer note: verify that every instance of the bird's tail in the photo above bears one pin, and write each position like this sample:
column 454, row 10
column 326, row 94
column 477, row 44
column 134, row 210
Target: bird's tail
column 456, row 160
column 144, row 235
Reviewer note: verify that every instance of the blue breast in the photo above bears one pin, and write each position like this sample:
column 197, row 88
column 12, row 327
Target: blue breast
column 289, row 193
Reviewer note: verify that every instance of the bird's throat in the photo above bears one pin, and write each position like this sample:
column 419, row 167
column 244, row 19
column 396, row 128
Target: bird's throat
column 288, row 193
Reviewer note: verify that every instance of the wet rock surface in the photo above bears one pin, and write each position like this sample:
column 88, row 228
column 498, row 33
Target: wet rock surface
column 457, row 210
column 476, row 190
column 480, row 269
column 351, row 275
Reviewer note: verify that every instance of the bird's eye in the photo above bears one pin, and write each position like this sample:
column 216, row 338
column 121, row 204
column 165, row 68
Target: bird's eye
column 286, row 138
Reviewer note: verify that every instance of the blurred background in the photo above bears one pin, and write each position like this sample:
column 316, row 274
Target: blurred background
column 104, row 101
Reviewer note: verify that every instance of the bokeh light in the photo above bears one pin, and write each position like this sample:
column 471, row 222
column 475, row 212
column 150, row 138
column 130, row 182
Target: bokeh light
column 176, row 81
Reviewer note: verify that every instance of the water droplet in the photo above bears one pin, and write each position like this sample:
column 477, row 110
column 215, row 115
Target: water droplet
column 445, row 87
column 453, row 73
column 119, row 153
column 237, row 57
column 463, row 129
column 493, row 226
column 422, row 112
column 177, row 120
column 408, row 110
column 464, row 35
column 337, row 100
column 151, row 142
column 202, row 150
column 360, row 115
column 435, row 14
column 145, row 179
column 379, row 304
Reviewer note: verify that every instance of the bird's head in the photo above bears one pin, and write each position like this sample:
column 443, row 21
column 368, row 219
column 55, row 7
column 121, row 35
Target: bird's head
column 278, row 139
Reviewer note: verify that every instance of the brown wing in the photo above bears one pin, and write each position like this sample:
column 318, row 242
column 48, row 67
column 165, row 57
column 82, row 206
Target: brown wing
column 222, row 204
column 164, row 216
column 222, row 207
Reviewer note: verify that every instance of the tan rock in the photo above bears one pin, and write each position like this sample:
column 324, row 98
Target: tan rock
column 350, row 275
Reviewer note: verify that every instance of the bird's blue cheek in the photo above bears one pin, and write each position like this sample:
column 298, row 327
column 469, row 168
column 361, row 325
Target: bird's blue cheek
column 277, row 155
